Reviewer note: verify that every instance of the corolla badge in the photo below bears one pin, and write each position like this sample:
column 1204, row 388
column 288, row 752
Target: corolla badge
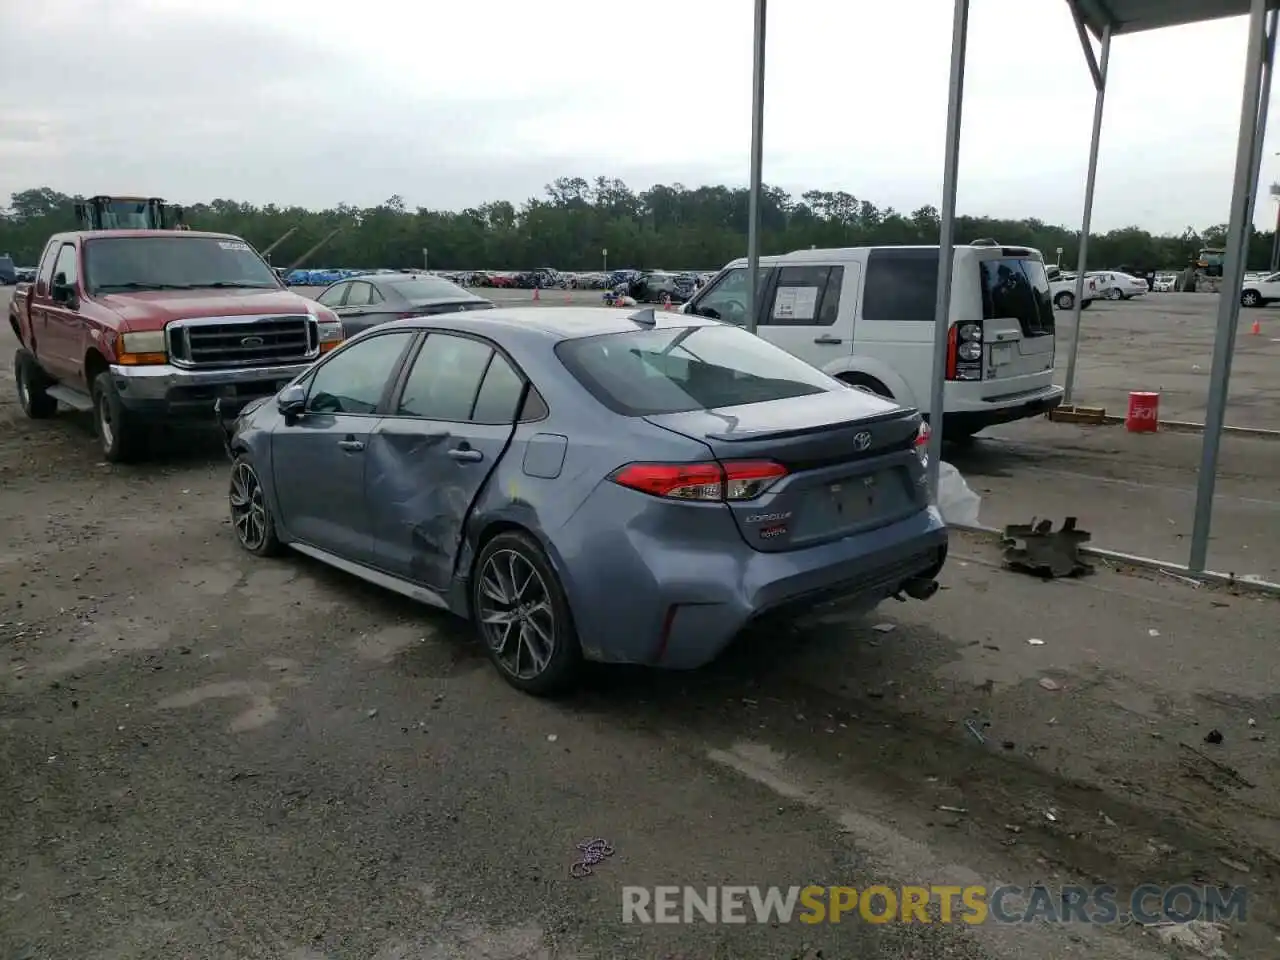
column 252, row 342
column 861, row 441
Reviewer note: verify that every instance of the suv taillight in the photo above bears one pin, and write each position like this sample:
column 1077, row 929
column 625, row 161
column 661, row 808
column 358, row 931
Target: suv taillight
column 964, row 351
column 734, row 480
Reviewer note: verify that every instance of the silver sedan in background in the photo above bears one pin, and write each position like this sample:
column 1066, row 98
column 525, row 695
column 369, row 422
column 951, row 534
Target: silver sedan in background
column 584, row 483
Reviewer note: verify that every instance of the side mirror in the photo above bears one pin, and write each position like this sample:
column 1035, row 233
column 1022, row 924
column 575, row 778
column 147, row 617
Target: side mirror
column 291, row 400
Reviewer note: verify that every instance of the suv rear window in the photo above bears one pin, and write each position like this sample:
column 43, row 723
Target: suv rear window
column 901, row 285
column 1018, row 289
column 677, row 369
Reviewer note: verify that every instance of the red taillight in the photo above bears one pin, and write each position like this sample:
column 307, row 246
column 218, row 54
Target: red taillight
column 953, row 348
column 704, row 482
column 922, row 436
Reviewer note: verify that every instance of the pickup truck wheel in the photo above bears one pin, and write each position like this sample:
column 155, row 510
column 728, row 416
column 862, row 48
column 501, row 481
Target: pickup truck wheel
column 123, row 438
column 32, row 382
column 250, row 515
column 1064, row 301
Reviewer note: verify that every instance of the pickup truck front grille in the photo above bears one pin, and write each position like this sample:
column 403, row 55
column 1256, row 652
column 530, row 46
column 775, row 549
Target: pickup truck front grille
column 210, row 342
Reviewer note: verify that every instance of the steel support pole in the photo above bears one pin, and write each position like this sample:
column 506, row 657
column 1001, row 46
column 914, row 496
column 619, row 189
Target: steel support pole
column 1082, row 262
column 1238, row 229
column 947, row 240
column 757, row 163
column 1264, row 99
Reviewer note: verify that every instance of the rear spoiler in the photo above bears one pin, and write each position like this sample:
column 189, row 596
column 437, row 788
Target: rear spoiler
column 900, row 414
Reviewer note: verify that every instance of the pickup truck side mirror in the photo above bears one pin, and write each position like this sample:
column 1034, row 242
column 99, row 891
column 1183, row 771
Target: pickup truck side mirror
column 292, row 400
column 60, row 291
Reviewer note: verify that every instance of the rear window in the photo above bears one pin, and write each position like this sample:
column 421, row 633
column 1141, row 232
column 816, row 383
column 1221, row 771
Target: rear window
column 901, row 285
column 1018, row 289
column 427, row 288
column 678, row 369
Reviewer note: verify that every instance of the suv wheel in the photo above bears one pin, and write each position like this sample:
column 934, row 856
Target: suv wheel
column 32, row 383
column 1251, row 298
column 123, row 438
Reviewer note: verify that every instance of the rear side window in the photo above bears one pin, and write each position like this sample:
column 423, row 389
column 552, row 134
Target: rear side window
column 1018, row 289
column 806, row 296
column 901, row 285
column 678, row 369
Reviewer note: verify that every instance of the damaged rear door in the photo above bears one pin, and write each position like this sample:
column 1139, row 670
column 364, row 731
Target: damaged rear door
column 448, row 425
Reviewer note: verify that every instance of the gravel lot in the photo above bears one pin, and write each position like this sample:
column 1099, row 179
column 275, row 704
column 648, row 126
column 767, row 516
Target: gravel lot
column 207, row 755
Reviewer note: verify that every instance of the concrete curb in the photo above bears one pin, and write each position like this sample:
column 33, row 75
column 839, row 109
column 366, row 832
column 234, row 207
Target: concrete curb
column 1177, row 570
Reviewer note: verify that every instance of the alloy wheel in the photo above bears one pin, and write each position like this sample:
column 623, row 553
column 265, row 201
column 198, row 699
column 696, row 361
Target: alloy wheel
column 248, row 508
column 515, row 614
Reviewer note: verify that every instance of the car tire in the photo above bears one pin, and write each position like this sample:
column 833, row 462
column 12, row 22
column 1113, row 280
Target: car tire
column 123, row 438
column 251, row 518
column 32, row 382
column 522, row 615
column 1064, row 301
column 1115, row 293
column 870, row 384
column 1251, row 298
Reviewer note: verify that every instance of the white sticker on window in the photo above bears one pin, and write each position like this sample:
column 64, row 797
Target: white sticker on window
column 233, row 245
column 795, row 303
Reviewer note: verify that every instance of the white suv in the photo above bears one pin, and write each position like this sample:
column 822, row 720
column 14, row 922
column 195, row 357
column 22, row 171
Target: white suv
column 866, row 316
column 1261, row 291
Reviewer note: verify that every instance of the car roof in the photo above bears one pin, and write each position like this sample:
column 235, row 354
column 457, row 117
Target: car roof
column 557, row 323
column 130, row 234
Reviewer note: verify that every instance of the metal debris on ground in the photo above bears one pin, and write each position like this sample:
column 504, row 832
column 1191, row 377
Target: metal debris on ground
column 973, row 729
column 1049, row 684
column 1035, row 548
column 593, row 852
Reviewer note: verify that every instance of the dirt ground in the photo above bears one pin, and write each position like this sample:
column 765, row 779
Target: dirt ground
column 203, row 754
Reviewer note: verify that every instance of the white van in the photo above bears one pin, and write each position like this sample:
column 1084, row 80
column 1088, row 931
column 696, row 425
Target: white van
column 866, row 316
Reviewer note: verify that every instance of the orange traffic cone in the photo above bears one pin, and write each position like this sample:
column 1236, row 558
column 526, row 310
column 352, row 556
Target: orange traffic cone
column 537, row 294
column 1256, row 329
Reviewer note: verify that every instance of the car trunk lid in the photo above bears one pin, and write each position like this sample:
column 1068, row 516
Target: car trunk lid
column 850, row 459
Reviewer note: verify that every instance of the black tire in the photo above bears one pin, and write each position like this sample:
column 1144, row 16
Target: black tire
column 1115, row 293
column 535, row 610
column 122, row 437
column 1251, row 298
column 32, row 382
column 870, row 384
column 251, row 519
column 1064, row 300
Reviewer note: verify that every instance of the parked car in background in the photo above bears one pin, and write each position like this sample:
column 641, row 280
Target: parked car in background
column 8, row 271
column 865, row 315
column 25, row 274
column 1114, row 285
column 1259, row 293
column 1166, row 282
column 586, row 484
column 1062, row 288
column 658, row 287
column 366, row 301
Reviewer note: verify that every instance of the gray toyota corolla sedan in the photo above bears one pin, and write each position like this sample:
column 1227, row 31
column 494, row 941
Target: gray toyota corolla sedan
column 589, row 483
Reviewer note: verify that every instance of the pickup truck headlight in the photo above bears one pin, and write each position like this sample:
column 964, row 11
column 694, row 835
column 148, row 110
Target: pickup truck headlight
column 142, row 348
column 331, row 334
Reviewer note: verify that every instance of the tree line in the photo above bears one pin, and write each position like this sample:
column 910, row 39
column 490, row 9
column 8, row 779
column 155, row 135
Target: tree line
column 577, row 221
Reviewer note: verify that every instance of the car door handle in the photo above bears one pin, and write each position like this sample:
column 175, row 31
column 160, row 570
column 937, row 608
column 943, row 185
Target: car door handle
column 466, row 454
column 832, row 340
column 355, row 446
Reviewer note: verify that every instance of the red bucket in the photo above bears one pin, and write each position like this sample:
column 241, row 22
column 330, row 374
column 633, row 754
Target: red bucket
column 1144, row 413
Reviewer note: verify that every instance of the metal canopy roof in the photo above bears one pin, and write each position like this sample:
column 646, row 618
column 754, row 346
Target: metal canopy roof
column 1136, row 16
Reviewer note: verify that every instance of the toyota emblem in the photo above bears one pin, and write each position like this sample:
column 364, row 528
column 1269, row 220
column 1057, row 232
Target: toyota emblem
column 861, row 441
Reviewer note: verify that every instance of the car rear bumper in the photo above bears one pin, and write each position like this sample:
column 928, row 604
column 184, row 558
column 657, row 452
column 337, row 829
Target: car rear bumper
column 165, row 392
column 677, row 603
column 989, row 413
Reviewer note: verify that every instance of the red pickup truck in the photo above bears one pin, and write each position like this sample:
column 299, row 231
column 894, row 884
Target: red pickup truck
column 149, row 327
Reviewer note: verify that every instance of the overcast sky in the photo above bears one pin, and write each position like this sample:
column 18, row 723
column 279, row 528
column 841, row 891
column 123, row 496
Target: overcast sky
column 451, row 104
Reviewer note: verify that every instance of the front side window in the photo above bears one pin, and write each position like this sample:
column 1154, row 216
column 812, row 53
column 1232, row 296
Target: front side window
column 726, row 298
column 806, row 296
column 354, row 380
column 678, row 369
column 180, row 262
column 67, row 267
column 445, row 378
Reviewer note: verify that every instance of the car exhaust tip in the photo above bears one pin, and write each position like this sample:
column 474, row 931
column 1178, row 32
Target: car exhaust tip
column 920, row 589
